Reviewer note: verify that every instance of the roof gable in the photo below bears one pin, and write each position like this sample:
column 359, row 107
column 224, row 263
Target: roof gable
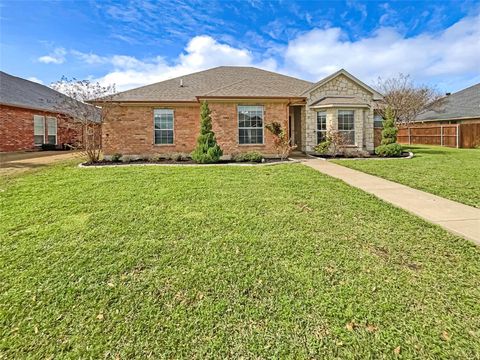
column 376, row 94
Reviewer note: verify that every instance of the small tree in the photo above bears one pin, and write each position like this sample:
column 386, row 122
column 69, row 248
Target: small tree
column 281, row 140
column 207, row 150
column 406, row 99
column 389, row 146
column 73, row 103
column 334, row 144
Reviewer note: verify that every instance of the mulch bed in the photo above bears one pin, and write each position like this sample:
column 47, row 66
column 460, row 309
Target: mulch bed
column 372, row 156
column 180, row 162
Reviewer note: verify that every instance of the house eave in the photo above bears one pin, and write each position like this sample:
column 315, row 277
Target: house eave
column 449, row 119
column 45, row 110
column 142, row 102
column 339, row 106
column 252, row 98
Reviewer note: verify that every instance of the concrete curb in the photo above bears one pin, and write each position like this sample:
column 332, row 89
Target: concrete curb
column 290, row 161
column 410, row 156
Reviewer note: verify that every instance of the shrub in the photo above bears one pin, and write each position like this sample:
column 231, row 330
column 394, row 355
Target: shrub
column 333, row 145
column 116, row 157
column 389, row 132
column 177, row 156
column 281, row 140
column 323, row 147
column 207, row 150
column 251, row 156
column 126, row 159
column 390, row 150
column 155, row 158
column 389, row 146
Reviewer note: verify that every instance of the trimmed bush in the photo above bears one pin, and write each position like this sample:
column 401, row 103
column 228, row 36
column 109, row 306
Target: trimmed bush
column 390, row 150
column 251, row 156
column 389, row 146
column 207, row 150
column 116, row 157
column 323, row 148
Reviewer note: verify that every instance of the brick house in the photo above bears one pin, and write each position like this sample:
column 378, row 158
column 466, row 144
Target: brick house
column 165, row 117
column 29, row 116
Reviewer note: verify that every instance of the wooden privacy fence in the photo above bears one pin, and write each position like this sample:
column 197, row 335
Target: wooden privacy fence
column 443, row 135
column 452, row 135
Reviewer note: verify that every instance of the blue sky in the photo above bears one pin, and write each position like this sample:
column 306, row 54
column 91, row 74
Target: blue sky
column 132, row 43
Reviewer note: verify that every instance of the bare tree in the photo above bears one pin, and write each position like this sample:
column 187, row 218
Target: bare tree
column 77, row 105
column 406, row 99
column 281, row 141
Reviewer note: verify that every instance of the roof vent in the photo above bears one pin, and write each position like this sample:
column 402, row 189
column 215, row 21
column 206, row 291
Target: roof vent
column 448, row 94
column 181, row 82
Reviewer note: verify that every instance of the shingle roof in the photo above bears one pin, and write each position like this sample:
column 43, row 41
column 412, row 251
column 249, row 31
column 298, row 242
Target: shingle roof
column 462, row 104
column 28, row 94
column 223, row 81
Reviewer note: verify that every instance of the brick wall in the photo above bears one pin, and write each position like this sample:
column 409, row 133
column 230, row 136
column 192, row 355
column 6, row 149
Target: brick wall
column 16, row 129
column 128, row 130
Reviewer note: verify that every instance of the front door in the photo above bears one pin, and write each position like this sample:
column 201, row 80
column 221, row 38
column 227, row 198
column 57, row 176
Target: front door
column 297, row 125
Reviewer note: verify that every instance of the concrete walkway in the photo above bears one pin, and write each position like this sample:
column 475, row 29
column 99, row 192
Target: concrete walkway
column 459, row 219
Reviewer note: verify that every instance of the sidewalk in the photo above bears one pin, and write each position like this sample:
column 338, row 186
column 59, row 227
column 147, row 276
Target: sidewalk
column 459, row 219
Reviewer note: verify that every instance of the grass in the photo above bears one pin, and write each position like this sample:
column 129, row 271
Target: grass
column 447, row 172
column 201, row 262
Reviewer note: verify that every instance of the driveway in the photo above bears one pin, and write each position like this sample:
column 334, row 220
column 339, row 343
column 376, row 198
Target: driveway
column 14, row 163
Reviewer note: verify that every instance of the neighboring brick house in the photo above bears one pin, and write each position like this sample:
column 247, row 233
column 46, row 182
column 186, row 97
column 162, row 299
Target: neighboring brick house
column 453, row 121
column 29, row 116
column 165, row 117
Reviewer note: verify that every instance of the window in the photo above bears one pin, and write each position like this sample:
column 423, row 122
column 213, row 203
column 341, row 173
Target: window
column 250, row 124
column 38, row 130
column 321, row 126
column 378, row 121
column 52, row 130
column 163, row 119
column 346, row 125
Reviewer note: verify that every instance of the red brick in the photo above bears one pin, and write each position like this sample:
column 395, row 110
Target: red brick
column 128, row 129
column 16, row 128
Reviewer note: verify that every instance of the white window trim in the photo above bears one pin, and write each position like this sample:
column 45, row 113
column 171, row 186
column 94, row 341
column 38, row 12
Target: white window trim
column 248, row 128
column 316, row 125
column 353, row 130
column 43, row 126
column 56, row 128
column 173, row 127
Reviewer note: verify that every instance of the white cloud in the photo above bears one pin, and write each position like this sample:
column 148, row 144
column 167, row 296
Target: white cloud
column 450, row 54
column 35, row 79
column 57, row 56
column 448, row 58
column 202, row 52
column 89, row 58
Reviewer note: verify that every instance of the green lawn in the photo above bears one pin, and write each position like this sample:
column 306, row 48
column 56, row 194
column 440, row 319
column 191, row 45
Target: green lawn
column 447, row 172
column 200, row 262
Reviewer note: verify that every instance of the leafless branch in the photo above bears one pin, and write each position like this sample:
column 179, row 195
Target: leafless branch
column 407, row 99
column 76, row 107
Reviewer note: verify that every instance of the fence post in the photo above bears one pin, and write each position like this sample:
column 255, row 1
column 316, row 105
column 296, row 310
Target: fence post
column 409, row 136
column 441, row 135
column 458, row 134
